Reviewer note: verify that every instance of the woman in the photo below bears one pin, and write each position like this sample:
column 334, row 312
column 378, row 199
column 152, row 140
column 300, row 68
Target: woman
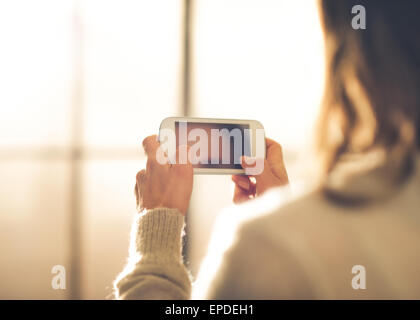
column 356, row 234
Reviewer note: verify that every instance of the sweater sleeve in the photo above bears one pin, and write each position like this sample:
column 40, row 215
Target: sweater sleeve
column 155, row 269
column 242, row 262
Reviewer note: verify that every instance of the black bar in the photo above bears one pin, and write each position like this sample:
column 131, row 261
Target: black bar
column 261, row 309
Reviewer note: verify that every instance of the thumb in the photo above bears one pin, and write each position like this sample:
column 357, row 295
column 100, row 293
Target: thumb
column 275, row 157
column 256, row 167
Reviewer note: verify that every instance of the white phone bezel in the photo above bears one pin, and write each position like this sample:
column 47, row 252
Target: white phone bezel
column 169, row 123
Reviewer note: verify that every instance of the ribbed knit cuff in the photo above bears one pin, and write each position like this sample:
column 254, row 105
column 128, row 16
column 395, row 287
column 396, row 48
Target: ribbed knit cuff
column 159, row 234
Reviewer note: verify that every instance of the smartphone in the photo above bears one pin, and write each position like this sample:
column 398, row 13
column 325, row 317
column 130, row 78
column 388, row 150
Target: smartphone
column 215, row 145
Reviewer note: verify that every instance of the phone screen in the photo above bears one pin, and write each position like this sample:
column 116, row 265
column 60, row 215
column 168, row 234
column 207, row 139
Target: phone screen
column 214, row 145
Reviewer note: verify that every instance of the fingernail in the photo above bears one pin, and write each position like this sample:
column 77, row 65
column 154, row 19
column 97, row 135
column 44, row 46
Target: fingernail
column 248, row 160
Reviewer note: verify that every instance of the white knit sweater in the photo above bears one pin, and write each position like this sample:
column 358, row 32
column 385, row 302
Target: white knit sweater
column 287, row 247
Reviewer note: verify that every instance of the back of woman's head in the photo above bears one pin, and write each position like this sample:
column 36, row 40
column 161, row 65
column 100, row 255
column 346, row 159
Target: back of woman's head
column 372, row 97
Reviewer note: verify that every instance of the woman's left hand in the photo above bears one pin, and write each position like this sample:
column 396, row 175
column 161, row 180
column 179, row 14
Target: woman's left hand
column 163, row 185
column 274, row 174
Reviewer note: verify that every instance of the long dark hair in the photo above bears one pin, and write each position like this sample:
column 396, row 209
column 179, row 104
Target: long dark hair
column 372, row 90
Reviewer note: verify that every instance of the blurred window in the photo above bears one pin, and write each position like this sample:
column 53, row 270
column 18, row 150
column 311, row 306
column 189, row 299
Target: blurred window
column 82, row 83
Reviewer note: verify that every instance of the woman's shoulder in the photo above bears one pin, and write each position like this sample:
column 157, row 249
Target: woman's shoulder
column 280, row 211
column 264, row 229
column 278, row 207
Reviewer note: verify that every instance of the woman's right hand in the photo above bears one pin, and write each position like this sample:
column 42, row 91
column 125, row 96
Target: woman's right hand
column 273, row 175
column 163, row 185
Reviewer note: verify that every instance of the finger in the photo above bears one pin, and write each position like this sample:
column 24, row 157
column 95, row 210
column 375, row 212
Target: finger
column 151, row 145
column 140, row 177
column 274, row 156
column 182, row 171
column 182, row 159
column 270, row 142
column 241, row 181
column 182, row 154
column 136, row 194
column 258, row 168
column 140, row 184
column 240, row 195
